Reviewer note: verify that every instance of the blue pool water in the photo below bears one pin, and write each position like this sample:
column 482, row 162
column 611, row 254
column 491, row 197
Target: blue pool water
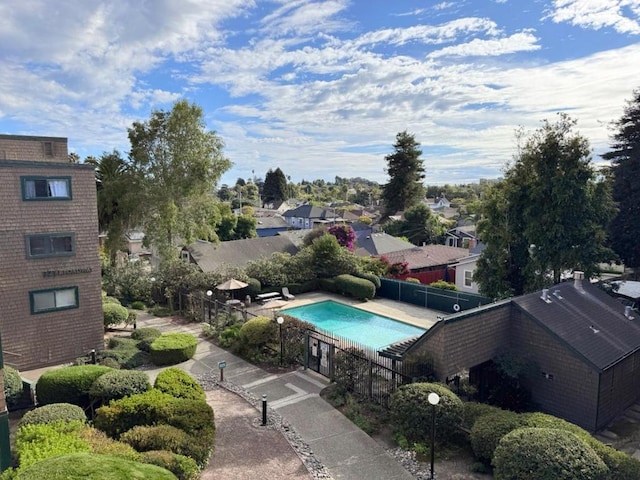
column 366, row 328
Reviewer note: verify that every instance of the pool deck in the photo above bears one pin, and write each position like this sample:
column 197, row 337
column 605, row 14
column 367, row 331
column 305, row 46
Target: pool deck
column 404, row 312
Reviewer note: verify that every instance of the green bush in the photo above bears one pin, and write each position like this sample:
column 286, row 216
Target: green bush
column 183, row 467
column 119, row 384
column 254, row 287
column 443, row 285
column 89, row 466
column 411, row 413
column 372, row 277
column 229, row 335
column 103, row 445
column 328, row 285
column 114, row 314
column 12, row 386
column 412, row 280
column 54, row 412
column 145, row 337
column 471, row 411
column 108, row 299
column 160, row 311
column 141, row 409
column 37, row 441
column 489, row 429
column 258, row 331
column 355, row 287
column 546, row 454
column 138, row 305
column 69, row 384
column 172, row 348
column 179, row 384
column 304, row 287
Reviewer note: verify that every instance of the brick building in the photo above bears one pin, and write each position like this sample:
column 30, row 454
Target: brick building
column 50, row 304
column 584, row 347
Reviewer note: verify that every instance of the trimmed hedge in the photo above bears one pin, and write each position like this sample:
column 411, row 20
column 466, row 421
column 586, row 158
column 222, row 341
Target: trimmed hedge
column 184, row 468
column 179, row 384
column 372, row 277
column 472, row 411
column 69, row 384
column 145, row 337
column 103, row 445
column 546, row 454
column 489, row 429
column 89, row 466
column 172, row 348
column 125, row 352
column 254, row 287
column 411, row 413
column 258, row 331
column 54, row 412
column 114, row 314
column 12, row 385
column 119, row 384
column 355, row 287
column 38, row 441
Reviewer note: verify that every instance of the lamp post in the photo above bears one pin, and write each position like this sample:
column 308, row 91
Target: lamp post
column 433, row 399
column 280, row 321
column 209, row 293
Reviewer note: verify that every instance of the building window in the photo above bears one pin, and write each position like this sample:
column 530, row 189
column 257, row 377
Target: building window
column 54, row 299
column 468, row 278
column 48, row 149
column 184, row 255
column 46, row 188
column 50, row 245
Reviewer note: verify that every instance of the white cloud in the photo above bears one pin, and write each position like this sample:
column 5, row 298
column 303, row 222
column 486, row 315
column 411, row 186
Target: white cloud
column 518, row 42
column 621, row 15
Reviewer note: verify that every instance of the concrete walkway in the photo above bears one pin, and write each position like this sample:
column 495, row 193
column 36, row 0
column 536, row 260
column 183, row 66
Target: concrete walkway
column 346, row 451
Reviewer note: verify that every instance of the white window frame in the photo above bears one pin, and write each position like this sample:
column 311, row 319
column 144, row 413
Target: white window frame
column 468, row 279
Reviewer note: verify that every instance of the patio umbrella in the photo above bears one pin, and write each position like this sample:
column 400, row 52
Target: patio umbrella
column 232, row 284
column 275, row 305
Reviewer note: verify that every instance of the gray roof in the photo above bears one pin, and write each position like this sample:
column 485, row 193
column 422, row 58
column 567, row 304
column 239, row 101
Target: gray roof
column 380, row 244
column 313, row 212
column 428, row 256
column 271, row 222
column 210, row 256
column 589, row 321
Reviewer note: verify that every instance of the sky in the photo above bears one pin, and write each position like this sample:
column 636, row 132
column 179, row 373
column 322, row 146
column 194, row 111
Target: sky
column 320, row 88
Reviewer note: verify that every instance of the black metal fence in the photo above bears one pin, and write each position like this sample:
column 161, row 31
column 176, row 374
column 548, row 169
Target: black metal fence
column 430, row 297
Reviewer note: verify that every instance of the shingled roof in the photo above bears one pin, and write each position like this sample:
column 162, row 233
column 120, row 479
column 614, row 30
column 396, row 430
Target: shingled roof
column 209, row 256
column 589, row 321
column 380, row 244
column 428, row 256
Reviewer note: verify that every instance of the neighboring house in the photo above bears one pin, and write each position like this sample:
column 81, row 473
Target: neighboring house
column 134, row 244
column 270, row 226
column 463, row 236
column 49, row 264
column 211, row 256
column 306, row 217
column 376, row 244
column 628, row 292
column 278, row 206
column 465, row 269
column 429, row 263
column 438, row 203
column 583, row 345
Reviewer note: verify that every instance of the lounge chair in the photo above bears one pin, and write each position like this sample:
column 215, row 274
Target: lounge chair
column 286, row 295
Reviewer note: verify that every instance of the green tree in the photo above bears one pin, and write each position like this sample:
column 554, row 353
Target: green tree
column 275, row 186
column 625, row 160
column 245, row 227
column 549, row 215
column 177, row 159
column 406, row 173
column 419, row 226
column 118, row 206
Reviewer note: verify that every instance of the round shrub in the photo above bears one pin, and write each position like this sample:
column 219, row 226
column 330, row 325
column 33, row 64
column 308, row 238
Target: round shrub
column 183, row 467
column 258, row 331
column 138, row 305
column 172, row 348
column 118, row 384
column 37, row 441
column 145, row 337
column 54, row 412
column 103, row 445
column 254, row 287
column 179, row 384
column 114, row 314
column 546, row 454
column 108, row 299
column 355, row 287
column 489, row 429
column 90, row 466
column 411, row 412
column 12, row 385
column 68, row 384
column 471, row 411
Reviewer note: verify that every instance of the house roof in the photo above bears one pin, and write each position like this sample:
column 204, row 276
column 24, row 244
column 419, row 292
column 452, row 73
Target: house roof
column 428, row 256
column 209, row 256
column 312, row 212
column 588, row 320
column 380, row 244
column 271, row 222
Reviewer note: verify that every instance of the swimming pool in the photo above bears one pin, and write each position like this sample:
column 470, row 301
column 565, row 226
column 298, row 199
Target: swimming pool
column 368, row 329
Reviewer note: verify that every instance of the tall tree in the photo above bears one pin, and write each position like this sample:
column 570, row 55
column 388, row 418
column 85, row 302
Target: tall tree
column 548, row 216
column 118, row 205
column 419, row 226
column 625, row 166
column 275, row 186
column 406, row 173
column 177, row 159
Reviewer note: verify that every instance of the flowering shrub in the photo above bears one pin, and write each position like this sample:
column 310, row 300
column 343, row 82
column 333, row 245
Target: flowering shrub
column 345, row 235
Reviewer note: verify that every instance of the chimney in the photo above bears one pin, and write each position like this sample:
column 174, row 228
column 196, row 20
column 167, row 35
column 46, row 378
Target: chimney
column 473, row 243
column 577, row 279
column 545, row 295
column 627, row 312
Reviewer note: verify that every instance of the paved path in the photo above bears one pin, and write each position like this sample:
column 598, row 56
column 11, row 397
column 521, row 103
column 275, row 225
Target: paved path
column 346, row 451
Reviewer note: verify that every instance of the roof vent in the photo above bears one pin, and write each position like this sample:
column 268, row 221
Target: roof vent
column 545, row 295
column 556, row 294
column 627, row 312
column 594, row 329
column 577, row 279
